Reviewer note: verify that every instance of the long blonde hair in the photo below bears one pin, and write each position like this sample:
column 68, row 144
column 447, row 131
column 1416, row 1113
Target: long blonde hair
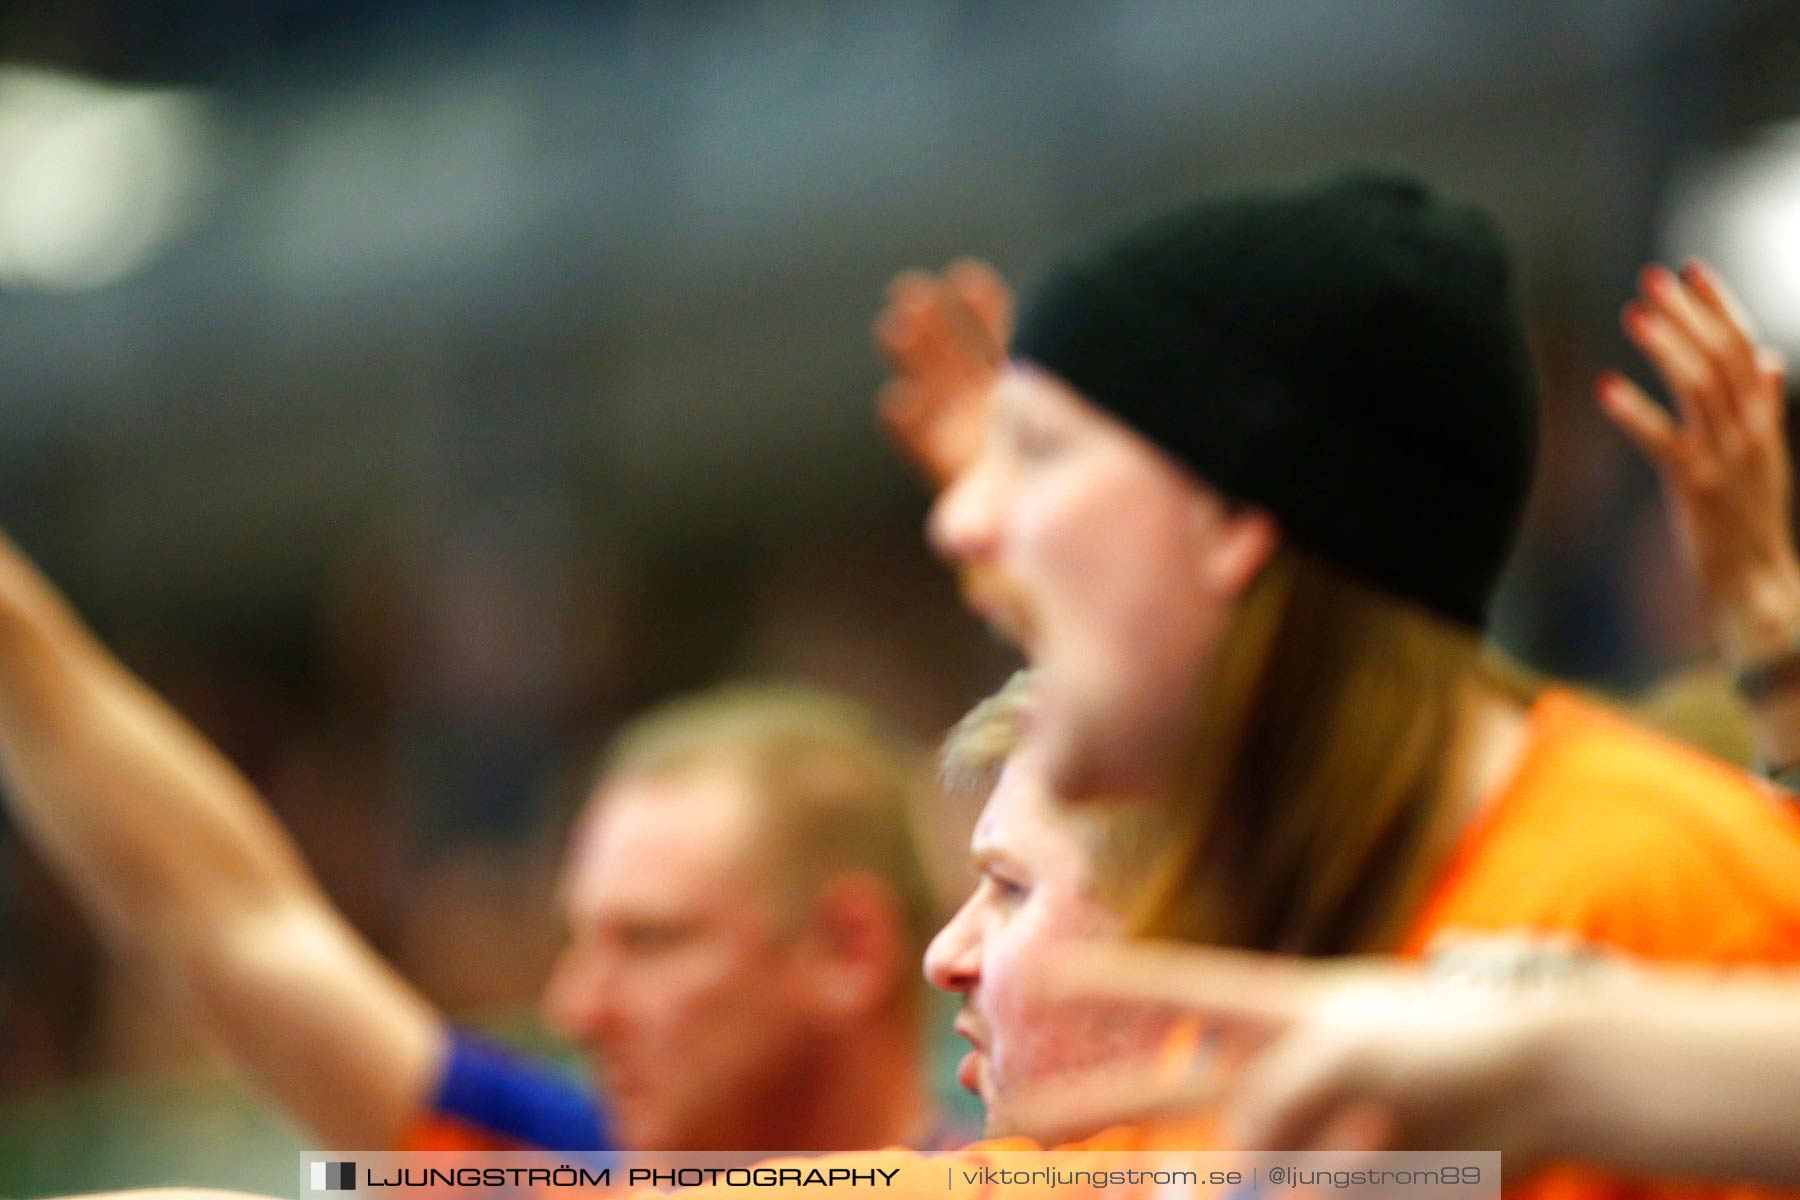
column 1327, row 730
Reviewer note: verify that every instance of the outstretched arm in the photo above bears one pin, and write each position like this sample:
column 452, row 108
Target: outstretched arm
column 1658, row 1073
column 184, row 868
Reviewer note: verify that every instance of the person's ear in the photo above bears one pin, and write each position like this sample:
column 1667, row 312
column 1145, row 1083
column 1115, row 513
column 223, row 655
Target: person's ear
column 1244, row 539
column 860, row 945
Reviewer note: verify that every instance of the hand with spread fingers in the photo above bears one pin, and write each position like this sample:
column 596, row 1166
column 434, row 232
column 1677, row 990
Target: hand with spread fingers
column 1348, row 1055
column 944, row 338
column 1377, row 1055
column 1722, row 457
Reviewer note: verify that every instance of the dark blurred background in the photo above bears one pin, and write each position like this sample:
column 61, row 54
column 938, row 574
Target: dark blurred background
column 412, row 390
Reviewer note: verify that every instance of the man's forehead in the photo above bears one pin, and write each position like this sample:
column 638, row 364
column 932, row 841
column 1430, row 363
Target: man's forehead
column 665, row 833
column 1020, row 809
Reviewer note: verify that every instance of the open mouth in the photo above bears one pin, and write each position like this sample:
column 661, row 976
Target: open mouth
column 968, row 1072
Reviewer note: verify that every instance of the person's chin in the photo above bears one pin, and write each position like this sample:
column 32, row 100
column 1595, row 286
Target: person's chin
column 1056, row 735
column 996, row 1123
column 1001, row 1120
column 1098, row 756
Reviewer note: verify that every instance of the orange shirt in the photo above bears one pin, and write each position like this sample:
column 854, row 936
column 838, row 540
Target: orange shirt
column 1609, row 839
column 1618, row 838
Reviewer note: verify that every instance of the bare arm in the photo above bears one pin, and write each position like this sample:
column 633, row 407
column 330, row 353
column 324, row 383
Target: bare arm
column 183, row 866
column 1663, row 1073
column 1661, row 1076
column 1679, row 1077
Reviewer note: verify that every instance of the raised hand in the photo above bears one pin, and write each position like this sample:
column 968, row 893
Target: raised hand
column 1722, row 458
column 944, row 338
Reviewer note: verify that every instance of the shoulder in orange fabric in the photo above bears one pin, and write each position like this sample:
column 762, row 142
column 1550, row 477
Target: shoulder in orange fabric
column 1620, row 840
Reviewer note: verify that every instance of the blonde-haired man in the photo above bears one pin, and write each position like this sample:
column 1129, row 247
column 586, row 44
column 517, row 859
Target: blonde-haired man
column 745, row 909
column 743, row 903
column 1050, row 872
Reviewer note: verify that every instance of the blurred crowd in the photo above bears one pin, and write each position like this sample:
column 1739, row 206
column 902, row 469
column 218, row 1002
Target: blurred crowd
column 421, row 699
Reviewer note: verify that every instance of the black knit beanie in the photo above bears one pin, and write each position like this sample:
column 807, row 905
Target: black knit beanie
column 1344, row 354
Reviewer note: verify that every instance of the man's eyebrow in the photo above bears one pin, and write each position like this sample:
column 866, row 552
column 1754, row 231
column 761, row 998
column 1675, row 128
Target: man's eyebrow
column 986, row 854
